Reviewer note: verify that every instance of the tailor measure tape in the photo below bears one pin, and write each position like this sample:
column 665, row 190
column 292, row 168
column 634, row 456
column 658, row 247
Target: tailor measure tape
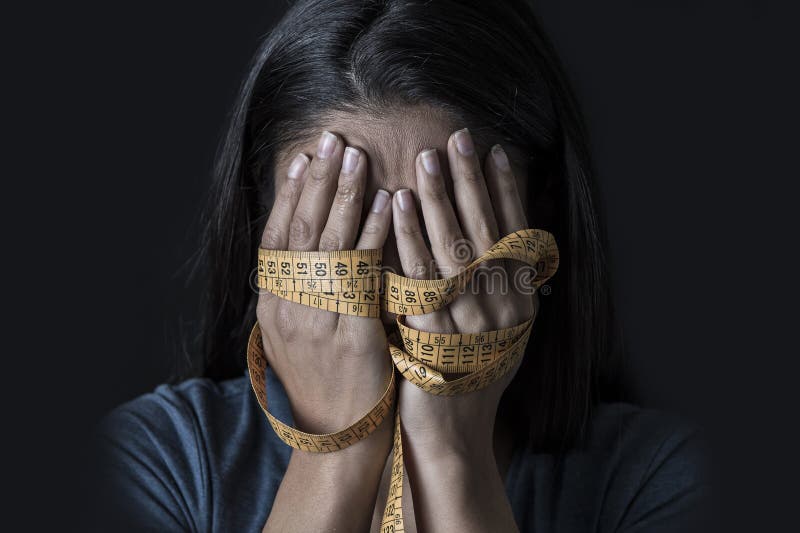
column 351, row 282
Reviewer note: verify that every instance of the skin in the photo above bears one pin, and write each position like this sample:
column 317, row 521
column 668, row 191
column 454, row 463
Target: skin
column 417, row 189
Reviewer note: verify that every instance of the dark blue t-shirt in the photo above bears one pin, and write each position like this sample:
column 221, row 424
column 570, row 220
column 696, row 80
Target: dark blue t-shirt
column 200, row 456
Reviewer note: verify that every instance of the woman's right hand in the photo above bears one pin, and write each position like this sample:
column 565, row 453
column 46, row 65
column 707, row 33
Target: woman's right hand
column 334, row 367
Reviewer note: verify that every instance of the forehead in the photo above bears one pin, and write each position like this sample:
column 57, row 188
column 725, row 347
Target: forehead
column 391, row 141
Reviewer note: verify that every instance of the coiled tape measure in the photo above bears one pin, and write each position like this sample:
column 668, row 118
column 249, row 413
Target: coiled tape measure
column 349, row 282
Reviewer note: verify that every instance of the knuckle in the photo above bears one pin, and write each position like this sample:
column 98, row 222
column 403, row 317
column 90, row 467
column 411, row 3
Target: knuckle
column 343, row 347
column 470, row 173
column 320, row 171
column 300, row 229
column 343, row 339
column 511, row 317
column 371, row 228
column 408, row 229
column 506, row 317
column 449, row 243
column 320, row 335
column 329, row 241
column 347, row 331
column 272, row 237
column 437, row 192
column 289, row 190
column 484, row 324
column 507, row 184
column 349, row 192
column 286, row 322
column 522, row 311
column 487, row 232
column 476, row 320
column 418, row 269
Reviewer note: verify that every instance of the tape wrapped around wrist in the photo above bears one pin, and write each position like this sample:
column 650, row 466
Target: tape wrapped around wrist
column 310, row 442
column 351, row 282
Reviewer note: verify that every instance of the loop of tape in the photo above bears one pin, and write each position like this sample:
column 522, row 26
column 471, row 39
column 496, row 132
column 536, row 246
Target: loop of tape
column 351, row 282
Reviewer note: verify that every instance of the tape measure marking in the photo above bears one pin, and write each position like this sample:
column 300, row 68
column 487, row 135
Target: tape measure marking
column 349, row 281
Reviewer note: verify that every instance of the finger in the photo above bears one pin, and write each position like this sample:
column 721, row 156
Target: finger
column 276, row 232
column 376, row 226
column 315, row 201
column 503, row 192
column 472, row 196
column 447, row 242
column 345, row 215
column 510, row 212
column 415, row 258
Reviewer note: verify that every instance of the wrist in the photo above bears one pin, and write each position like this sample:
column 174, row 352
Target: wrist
column 339, row 487
column 450, row 443
column 464, row 490
column 358, row 456
column 351, row 474
column 462, row 460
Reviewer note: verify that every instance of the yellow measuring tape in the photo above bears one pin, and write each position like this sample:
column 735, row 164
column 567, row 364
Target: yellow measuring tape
column 349, row 282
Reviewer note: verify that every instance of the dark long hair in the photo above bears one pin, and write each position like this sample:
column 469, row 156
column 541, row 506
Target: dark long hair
column 490, row 65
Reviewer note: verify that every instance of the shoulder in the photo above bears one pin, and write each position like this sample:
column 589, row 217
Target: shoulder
column 197, row 413
column 176, row 411
column 154, row 452
column 655, row 471
column 644, row 438
column 638, row 469
column 169, row 455
column 174, row 426
column 653, row 467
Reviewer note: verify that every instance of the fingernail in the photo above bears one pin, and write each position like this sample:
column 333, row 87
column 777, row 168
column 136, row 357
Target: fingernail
column 298, row 166
column 350, row 160
column 405, row 199
column 464, row 142
column 500, row 157
column 327, row 142
column 431, row 162
column 380, row 201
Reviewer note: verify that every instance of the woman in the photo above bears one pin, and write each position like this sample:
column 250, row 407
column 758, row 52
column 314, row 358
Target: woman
column 415, row 127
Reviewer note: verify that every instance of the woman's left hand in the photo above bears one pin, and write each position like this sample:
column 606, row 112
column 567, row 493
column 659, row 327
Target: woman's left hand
column 452, row 435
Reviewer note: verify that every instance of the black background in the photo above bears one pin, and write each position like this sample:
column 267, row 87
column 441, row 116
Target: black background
column 117, row 110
